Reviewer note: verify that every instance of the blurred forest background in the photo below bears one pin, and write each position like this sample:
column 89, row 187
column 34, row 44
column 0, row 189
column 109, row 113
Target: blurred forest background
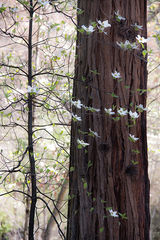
column 54, row 34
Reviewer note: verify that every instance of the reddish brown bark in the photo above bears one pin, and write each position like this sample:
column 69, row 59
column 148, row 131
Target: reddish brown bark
column 112, row 180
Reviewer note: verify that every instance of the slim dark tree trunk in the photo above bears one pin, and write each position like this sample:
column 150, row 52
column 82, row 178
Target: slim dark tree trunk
column 30, row 130
column 112, row 170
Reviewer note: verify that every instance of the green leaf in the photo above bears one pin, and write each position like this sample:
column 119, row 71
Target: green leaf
column 89, row 194
column 80, row 11
column 114, row 95
column 81, row 30
column 95, row 72
column 127, row 87
column 116, row 119
column 136, row 151
column 102, row 201
column 83, row 78
column 101, row 229
column 91, row 209
column 123, row 216
column 2, row 9
column 90, row 164
column 144, row 52
column 108, row 208
column 134, row 162
column 141, row 91
column 72, row 169
column 82, row 132
column 79, row 146
column 85, row 185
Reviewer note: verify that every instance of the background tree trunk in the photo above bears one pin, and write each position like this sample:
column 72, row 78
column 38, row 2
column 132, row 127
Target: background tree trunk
column 111, row 179
column 51, row 222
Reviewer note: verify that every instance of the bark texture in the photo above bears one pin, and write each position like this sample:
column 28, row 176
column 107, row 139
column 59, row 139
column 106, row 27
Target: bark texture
column 104, row 174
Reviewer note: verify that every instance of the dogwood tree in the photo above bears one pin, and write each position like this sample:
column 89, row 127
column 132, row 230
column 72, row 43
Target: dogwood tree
column 36, row 74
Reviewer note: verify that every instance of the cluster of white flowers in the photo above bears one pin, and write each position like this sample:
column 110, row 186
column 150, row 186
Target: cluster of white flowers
column 32, row 89
column 116, row 75
column 133, row 138
column 122, row 112
column 101, row 25
column 127, row 45
column 119, row 17
column 113, row 213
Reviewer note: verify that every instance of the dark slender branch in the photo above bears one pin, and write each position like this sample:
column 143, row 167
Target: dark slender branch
column 60, row 231
column 12, row 66
column 15, row 169
column 12, row 103
column 153, row 88
column 59, row 11
column 21, row 2
column 154, row 69
column 15, row 191
column 11, row 35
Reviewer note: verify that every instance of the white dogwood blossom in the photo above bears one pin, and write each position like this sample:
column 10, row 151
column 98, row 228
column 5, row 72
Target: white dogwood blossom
column 133, row 115
column 89, row 29
column 133, row 138
column 82, row 144
column 77, row 104
column 92, row 109
column 43, row 3
column 127, row 45
column 103, row 25
column 13, row 9
column 76, row 118
column 137, row 27
column 116, row 75
column 119, row 17
column 141, row 39
column 113, row 213
column 122, row 112
column 32, row 89
column 94, row 134
column 109, row 111
column 141, row 108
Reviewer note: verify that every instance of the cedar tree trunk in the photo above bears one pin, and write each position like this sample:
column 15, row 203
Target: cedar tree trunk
column 112, row 171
